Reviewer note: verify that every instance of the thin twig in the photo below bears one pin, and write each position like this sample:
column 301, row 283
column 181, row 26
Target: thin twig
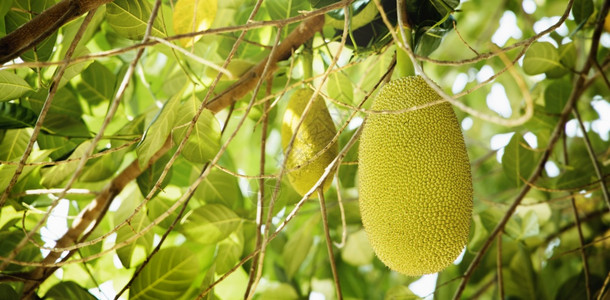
column 592, row 156
column 499, row 267
column 583, row 254
column 260, row 204
column 600, row 296
column 329, row 243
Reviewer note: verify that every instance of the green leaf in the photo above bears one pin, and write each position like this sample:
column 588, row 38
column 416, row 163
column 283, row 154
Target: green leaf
column 567, row 55
column 282, row 9
column 478, row 234
column 556, row 72
column 296, row 249
column 357, row 250
column 7, row 292
column 159, row 205
column 339, row 87
column 101, row 168
column 134, row 227
column 529, row 225
column 210, row 223
column 7, row 171
column 21, row 15
column 362, row 12
column 65, row 126
column 167, row 276
column 219, row 187
column 96, row 84
column 8, row 241
column 573, row 179
column 68, row 290
column 576, row 287
column 75, row 68
column 204, row 141
column 60, row 146
column 65, row 103
column 53, row 176
column 540, row 57
column 147, row 180
column 519, row 280
column 13, row 145
column 13, row 115
column 428, row 35
column 490, row 218
column 229, row 252
column 129, row 18
column 556, row 96
column 278, row 290
column 518, row 162
column 12, row 86
column 188, row 18
column 400, row 292
column 233, row 286
column 156, row 134
column 582, row 10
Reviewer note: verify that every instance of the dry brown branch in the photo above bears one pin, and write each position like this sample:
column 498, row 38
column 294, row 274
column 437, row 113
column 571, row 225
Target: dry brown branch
column 43, row 25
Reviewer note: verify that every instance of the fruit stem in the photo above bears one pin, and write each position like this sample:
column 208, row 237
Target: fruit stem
column 404, row 65
column 307, row 59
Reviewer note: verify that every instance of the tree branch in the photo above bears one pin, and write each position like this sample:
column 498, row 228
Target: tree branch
column 247, row 82
column 43, row 25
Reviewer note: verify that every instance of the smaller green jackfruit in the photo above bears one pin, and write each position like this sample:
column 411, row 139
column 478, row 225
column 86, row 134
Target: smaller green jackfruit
column 314, row 135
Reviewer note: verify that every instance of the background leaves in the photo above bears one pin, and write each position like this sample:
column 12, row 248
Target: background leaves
column 189, row 237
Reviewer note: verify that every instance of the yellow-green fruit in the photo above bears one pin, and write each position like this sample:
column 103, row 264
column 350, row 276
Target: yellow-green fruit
column 313, row 136
column 414, row 180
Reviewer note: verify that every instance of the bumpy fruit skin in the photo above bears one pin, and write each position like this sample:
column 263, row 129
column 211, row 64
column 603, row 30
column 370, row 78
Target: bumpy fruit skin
column 414, row 180
column 314, row 135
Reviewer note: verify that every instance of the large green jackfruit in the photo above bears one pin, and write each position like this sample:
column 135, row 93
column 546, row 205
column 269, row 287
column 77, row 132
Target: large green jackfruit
column 314, row 135
column 414, row 180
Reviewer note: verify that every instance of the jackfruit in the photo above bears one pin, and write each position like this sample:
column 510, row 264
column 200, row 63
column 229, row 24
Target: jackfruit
column 414, row 180
column 314, row 135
